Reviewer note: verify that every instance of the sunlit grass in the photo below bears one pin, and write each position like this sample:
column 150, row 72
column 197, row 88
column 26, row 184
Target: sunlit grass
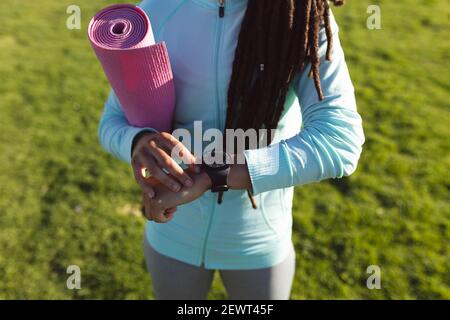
column 65, row 201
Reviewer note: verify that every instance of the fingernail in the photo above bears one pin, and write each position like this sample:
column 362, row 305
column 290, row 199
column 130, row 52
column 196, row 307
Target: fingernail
column 188, row 183
column 151, row 194
column 176, row 187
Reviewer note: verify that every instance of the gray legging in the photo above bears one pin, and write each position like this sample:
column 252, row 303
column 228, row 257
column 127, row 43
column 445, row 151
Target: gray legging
column 176, row 280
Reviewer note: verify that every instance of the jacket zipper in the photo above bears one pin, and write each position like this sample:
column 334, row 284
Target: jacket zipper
column 221, row 8
column 218, row 42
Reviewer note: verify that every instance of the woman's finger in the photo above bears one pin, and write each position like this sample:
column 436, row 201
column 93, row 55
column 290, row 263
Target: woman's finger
column 151, row 211
column 147, row 207
column 145, row 204
column 161, row 217
column 145, row 186
column 165, row 161
column 178, row 150
column 169, row 216
column 171, row 211
column 157, row 172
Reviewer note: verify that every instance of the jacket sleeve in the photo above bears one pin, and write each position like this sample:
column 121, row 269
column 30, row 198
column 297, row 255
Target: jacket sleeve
column 330, row 142
column 114, row 132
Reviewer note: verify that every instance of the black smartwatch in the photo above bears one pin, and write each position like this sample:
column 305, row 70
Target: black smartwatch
column 217, row 166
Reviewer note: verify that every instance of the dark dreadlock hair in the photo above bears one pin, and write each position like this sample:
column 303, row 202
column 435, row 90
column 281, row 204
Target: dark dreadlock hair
column 277, row 40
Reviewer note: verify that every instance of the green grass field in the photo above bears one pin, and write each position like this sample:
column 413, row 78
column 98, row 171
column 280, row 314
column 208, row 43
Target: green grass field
column 64, row 201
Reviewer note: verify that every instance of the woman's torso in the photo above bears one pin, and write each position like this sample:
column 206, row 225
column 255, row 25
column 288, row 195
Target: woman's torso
column 232, row 235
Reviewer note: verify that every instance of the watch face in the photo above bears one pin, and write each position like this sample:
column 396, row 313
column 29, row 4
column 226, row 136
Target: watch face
column 217, row 159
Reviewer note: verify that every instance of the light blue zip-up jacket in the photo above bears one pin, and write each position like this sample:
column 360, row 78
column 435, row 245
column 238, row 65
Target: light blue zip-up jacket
column 315, row 140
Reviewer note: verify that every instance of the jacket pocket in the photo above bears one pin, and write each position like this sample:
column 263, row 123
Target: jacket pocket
column 276, row 209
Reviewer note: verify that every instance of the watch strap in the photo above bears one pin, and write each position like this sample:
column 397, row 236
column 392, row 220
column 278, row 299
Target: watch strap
column 219, row 178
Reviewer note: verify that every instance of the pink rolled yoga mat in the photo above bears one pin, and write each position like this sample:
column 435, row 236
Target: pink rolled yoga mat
column 138, row 69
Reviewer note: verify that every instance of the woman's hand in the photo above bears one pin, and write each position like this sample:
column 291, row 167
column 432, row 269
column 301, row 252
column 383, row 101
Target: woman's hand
column 163, row 205
column 152, row 151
